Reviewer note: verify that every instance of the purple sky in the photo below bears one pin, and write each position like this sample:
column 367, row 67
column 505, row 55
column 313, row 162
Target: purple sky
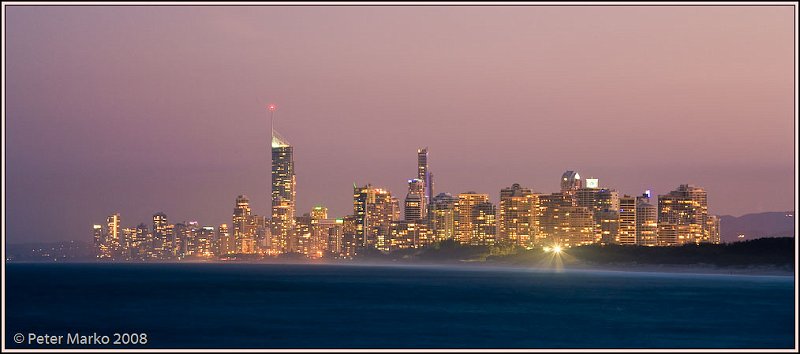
column 144, row 109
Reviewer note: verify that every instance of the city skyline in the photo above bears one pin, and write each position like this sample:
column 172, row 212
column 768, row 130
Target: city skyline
column 583, row 212
column 134, row 151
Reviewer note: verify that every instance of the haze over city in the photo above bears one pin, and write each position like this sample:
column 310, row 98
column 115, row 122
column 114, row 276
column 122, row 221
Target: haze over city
column 144, row 109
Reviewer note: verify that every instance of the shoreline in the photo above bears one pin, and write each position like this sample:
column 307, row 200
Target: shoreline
column 699, row 269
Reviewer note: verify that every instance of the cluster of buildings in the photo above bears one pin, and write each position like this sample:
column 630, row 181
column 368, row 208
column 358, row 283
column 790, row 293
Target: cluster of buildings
column 581, row 213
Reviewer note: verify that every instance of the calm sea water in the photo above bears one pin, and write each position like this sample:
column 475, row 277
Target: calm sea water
column 334, row 306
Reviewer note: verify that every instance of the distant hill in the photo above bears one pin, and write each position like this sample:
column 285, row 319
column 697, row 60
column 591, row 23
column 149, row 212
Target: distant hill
column 753, row 226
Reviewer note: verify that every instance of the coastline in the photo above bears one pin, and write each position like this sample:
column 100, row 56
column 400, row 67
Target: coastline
column 699, row 269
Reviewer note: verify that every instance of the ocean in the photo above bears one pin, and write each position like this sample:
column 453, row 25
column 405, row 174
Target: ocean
column 235, row 305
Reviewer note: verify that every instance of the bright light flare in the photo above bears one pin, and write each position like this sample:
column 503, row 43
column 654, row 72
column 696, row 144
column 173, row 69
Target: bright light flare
column 272, row 107
column 555, row 249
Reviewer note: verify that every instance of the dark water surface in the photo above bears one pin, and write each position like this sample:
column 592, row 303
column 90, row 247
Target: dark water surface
column 337, row 306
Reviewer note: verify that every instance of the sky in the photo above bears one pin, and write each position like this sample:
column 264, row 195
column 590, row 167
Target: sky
column 141, row 109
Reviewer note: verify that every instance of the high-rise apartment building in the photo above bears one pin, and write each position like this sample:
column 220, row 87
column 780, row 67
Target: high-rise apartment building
column 349, row 237
column 484, row 224
column 443, row 217
column 283, row 196
column 302, row 232
column 113, row 235
column 374, row 209
column 646, row 221
column 142, row 245
column 100, row 242
column 570, row 182
column 553, row 217
column 687, row 209
column 408, row 234
column 609, row 225
column 424, row 174
column 516, row 215
column 204, row 242
column 163, row 247
column 245, row 227
column 627, row 220
column 466, row 228
column 712, row 225
column 564, row 223
column 225, row 242
column 415, row 203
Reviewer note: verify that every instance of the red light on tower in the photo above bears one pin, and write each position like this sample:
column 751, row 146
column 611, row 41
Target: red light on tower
column 272, row 107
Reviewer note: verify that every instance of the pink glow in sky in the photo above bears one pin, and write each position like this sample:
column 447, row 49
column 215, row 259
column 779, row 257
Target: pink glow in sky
column 144, row 109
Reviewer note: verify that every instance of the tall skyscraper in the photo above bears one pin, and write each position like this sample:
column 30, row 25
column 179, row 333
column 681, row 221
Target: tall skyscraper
column 143, row 244
column 374, row 209
column 570, row 182
column 283, row 193
column 467, row 202
column 181, row 237
column 712, row 225
column 244, row 226
column 564, row 223
column 321, row 229
column 484, row 224
column 609, row 225
column 607, row 199
column 424, row 174
column 415, row 203
column 687, row 209
column 443, row 216
column 553, row 217
column 303, row 232
column 225, row 243
column 350, row 239
column 204, row 242
column 113, row 236
column 627, row 220
column 100, row 242
column 516, row 215
column 162, row 237
column 646, row 221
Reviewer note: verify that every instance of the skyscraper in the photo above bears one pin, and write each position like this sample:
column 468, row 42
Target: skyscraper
column 113, row 236
column 162, row 238
column 415, row 203
column 142, row 246
column 570, row 182
column 374, row 209
column 443, row 216
column 100, row 243
column 553, row 217
column 515, row 215
column 225, row 243
column 609, row 225
column 484, row 224
column 424, row 174
column 244, row 226
column 646, row 221
column 712, row 224
column 467, row 202
column 283, row 193
column 627, row 220
column 408, row 234
column 204, row 242
column 687, row 209
column 303, row 232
